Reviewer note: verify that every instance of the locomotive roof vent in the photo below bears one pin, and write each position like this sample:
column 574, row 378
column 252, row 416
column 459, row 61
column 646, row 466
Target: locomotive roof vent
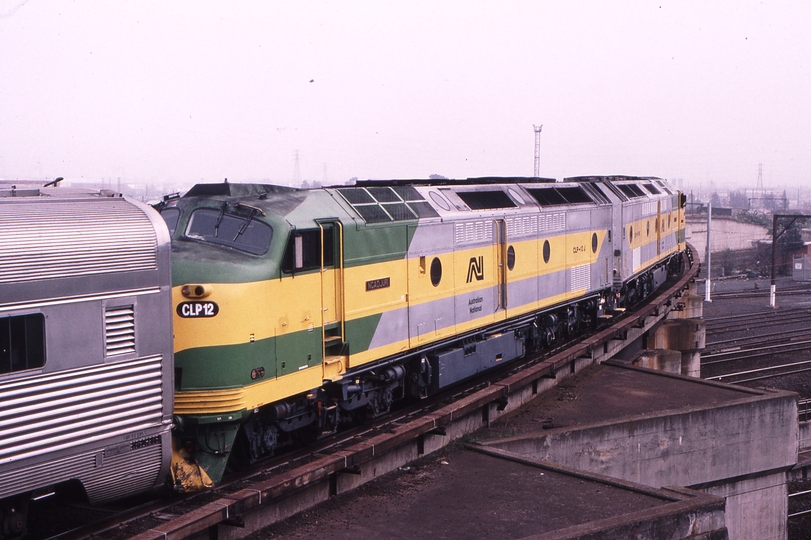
column 560, row 196
column 381, row 204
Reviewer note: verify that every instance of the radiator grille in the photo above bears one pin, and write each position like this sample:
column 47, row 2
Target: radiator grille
column 53, row 413
column 522, row 226
column 474, row 231
column 552, row 222
column 45, row 240
column 119, row 330
column 210, row 402
column 581, row 277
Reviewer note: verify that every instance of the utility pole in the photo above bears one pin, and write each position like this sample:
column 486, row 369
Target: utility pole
column 537, row 149
column 709, row 254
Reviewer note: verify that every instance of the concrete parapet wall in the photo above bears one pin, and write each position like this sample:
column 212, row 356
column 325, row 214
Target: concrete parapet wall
column 725, row 234
column 738, row 449
column 756, row 505
column 683, row 448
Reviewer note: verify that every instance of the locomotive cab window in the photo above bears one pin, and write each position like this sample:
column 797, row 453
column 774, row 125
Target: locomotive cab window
column 22, row 342
column 304, row 250
column 241, row 232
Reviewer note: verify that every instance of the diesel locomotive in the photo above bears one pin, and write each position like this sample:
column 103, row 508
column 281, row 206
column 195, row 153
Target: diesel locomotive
column 297, row 310
column 85, row 347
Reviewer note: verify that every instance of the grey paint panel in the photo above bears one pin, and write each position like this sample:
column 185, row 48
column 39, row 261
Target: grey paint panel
column 424, row 320
column 476, row 304
column 393, row 327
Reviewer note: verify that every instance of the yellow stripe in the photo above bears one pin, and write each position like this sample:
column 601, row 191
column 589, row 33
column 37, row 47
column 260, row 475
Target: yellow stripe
column 362, row 303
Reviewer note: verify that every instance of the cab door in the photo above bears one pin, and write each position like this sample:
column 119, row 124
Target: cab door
column 333, row 344
column 501, row 267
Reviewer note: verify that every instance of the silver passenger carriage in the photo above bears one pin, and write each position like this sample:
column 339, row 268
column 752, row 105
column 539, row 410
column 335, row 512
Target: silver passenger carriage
column 85, row 347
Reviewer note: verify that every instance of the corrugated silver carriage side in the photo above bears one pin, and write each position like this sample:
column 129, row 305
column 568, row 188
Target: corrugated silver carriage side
column 86, row 374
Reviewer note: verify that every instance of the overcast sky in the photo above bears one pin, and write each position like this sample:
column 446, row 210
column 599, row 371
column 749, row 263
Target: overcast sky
column 186, row 91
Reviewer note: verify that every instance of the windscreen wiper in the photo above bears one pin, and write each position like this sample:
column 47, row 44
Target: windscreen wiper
column 245, row 224
column 219, row 219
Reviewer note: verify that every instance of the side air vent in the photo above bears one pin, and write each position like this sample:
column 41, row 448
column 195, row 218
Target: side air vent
column 119, row 330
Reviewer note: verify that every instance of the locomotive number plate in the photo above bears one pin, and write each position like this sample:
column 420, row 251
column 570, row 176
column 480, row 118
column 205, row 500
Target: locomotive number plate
column 194, row 310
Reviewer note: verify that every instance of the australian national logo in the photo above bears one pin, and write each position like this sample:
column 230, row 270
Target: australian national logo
column 475, row 269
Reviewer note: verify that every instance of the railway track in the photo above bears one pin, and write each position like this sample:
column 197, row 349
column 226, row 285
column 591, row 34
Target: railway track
column 412, row 431
column 721, row 326
column 754, row 348
column 762, row 292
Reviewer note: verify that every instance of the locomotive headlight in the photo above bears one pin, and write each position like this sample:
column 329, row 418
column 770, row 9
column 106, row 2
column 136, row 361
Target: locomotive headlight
column 195, row 291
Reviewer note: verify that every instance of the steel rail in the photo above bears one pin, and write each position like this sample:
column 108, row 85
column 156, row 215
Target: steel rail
column 769, row 350
column 765, row 337
column 762, row 370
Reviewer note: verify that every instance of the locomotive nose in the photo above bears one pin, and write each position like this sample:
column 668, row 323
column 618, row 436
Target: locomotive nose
column 196, row 290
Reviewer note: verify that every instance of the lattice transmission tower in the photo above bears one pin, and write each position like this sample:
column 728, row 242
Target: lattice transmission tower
column 537, row 149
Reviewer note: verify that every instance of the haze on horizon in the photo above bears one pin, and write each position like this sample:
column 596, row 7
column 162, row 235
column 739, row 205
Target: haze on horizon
column 184, row 91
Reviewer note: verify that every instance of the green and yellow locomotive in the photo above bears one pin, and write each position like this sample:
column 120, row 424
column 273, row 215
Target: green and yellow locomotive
column 297, row 310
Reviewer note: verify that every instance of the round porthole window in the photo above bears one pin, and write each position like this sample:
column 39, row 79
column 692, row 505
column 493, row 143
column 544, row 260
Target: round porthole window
column 439, row 200
column 631, row 235
column 594, row 242
column 648, row 230
column 436, row 271
column 510, row 257
column 515, row 196
column 546, row 251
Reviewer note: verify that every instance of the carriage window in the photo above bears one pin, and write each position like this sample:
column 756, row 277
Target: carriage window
column 241, row 232
column 22, row 342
